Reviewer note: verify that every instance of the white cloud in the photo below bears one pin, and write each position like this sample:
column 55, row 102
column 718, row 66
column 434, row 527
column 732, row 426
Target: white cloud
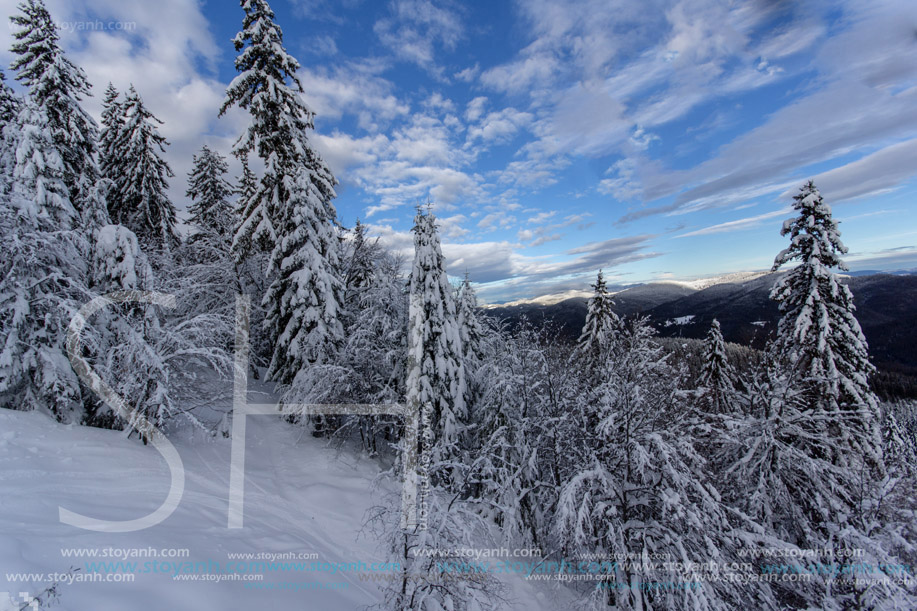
column 541, row 217
column 737, row 225
column 875, row 173
column 475, row 109
column 518, row 76
column 496, row 219
column 625, row 186
column 439, row 103
column 498, row 126
column 415, row 27
column 322, row 46
column 545, row 239
column 862, row 98
column 342, row 151
column 352, row 89
column 468, row 74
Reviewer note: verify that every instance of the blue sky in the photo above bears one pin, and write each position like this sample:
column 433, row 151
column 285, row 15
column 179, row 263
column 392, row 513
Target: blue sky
column 654, row 139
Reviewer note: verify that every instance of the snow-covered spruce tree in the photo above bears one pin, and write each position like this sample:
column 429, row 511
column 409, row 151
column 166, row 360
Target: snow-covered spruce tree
column 252, row 271
column 139, row 196
column 211, row 211
column 304, row 313
column 57, row 86
column 806, row 463
column 376, row 347
column 602, row 324
column 359, row 261
column 112, row 121
column 370, row 366
column 472, row 334
column 374, row 354
column 247, row 184
column 436, row 377
column 641, row 492
column 819, row 342
column 716, row 383
column 207, row 273
column 39, row 171
column 42, row 277
column 117, row 264
column 9, row 103
column 291, row 211
column 9, row 111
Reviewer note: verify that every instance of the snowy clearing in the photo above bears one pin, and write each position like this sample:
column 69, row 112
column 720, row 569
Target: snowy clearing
column 302, row 497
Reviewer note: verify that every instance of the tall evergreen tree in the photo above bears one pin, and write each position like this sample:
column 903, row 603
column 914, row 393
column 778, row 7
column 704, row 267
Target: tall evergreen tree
column 471, row 329
column 208, row 268
column 9, row 103
column 291, row 211
column 112, row 121
column 140, row 199
column 819, row 341
column 600, row 328
column 472, row 335
column 57, row 86
column 9, row 111
column 252, row 269
column 717, row 377
column 277, row 132
column 436, row 377
column 211, row 210
column 246, row 185
column 42, row 276
column 39, row 171
column 360, row 267
column 511, row 419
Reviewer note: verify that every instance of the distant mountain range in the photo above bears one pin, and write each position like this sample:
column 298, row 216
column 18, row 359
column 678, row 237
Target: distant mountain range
column 886, row 309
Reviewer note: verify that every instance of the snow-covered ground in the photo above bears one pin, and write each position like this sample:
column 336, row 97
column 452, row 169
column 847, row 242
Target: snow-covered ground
column 544, row 300
column 301, row 497
column 681, row 321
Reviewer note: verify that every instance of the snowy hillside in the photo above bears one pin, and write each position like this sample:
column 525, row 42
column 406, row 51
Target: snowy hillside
column 302, row 498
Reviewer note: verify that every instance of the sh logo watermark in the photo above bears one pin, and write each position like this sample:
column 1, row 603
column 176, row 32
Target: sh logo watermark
column 414, row 461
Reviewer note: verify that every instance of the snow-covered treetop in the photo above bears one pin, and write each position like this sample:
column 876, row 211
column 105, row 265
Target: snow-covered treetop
column 429, row 270
column 57, row 85
column 471, row 329
column 267, row 87
column 9, row 103
column 118, row 263
column 109, row 104
column 813, row 234
column 819, row 340
column 211, row 211
column 142, row 202
column 436, row 375
column 248, row 183
column 360, row 271
column 39, row 172
column 279, row 116
column 717, row 376
column 112, row 119
column 36, row 46
column 601, row 323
